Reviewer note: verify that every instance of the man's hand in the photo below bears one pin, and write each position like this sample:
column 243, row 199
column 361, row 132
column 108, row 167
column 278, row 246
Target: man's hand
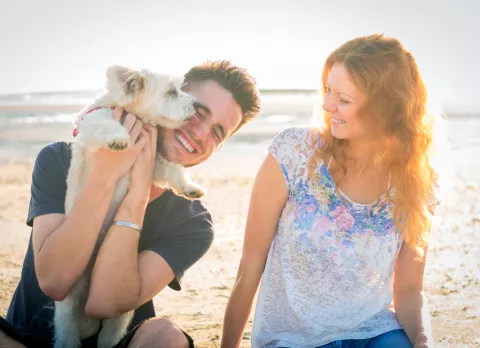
column 144, row 165
column 111, row 165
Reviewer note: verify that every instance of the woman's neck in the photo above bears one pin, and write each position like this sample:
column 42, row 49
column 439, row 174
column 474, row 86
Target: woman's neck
column 359, row 155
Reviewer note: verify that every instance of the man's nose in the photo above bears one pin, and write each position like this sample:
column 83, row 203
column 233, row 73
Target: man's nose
column 199, row 129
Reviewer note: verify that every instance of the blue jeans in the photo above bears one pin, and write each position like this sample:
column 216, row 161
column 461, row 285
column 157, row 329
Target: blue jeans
column 394, row 339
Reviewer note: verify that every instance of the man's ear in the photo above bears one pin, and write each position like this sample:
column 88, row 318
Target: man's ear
column 124, row 84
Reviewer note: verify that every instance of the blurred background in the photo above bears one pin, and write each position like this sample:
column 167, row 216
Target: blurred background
column 53, row 59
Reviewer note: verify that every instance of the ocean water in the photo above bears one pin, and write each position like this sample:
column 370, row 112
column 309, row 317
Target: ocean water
column 33, row 120
column 29, row 122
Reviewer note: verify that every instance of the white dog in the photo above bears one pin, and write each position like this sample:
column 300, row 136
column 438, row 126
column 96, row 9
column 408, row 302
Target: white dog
column 155, row 99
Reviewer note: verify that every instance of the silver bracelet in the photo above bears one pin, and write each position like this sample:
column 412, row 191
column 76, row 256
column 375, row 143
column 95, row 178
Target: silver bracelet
column 127, row 224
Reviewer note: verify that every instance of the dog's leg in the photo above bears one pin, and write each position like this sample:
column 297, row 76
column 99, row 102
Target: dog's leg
column 77, row 173
column 71, row 322
column 66, row 333
column 171, row 175
column 86, row 325
column 69, row 316
column 113, row 330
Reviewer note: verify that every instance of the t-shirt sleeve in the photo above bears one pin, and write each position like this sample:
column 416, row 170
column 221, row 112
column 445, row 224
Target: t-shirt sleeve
column 292, row 149
column 185, row 238
column 49, row 181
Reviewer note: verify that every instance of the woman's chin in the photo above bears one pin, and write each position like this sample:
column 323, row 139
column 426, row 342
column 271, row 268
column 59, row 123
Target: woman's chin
column 338, row 136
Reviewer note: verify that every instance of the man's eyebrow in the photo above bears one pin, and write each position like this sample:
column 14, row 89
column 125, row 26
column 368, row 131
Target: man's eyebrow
column 205, row 108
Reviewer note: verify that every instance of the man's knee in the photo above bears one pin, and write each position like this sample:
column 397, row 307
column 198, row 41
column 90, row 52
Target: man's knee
column 8, row 342
column 157, row 333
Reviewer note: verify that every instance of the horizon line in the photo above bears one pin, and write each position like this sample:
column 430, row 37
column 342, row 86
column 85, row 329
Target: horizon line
column 93, row 90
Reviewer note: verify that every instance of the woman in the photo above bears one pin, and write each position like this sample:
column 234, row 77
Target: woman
column 339, row 216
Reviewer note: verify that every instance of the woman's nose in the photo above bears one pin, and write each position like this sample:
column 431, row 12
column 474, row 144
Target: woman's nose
column 328, row 105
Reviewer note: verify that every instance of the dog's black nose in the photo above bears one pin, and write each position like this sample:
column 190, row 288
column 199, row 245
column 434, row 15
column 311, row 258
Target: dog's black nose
column 196, row 105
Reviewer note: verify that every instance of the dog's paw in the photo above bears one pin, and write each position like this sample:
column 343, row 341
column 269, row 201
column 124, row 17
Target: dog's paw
column 119, row 140
column 119, row 144
column 192, row 192
column 99, row 130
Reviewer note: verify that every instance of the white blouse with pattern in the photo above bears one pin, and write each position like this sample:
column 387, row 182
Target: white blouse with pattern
column 329, row 271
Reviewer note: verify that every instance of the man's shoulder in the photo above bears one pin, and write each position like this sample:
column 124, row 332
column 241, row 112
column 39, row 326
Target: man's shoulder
column 59, row 151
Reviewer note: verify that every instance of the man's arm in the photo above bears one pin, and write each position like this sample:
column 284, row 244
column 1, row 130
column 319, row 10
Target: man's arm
column 123, row 279
column 63, row 246
column 118, row 265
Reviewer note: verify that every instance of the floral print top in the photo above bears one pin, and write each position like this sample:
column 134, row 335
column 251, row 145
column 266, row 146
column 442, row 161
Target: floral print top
column 329, row 270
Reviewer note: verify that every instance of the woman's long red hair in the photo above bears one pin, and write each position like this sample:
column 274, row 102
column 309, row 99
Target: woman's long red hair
column 395, row 108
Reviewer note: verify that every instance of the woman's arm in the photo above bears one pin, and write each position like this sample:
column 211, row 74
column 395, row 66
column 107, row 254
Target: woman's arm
column 268, row 198
column 409, row 300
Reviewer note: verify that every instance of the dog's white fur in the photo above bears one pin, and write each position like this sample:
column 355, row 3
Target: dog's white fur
column 155, row 99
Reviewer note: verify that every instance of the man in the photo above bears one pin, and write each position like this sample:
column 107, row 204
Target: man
column 131, row 267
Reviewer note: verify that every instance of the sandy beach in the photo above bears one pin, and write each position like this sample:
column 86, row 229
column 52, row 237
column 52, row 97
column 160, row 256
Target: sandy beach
column 453, row 267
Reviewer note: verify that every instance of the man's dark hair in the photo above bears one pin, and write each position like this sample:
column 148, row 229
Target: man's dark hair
column 235, row 80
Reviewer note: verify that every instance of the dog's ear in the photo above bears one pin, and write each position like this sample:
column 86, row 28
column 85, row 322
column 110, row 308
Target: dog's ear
column 177, row 82
column 124, row 84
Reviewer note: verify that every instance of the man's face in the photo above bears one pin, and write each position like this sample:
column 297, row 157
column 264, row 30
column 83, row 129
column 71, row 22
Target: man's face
column 216, row 119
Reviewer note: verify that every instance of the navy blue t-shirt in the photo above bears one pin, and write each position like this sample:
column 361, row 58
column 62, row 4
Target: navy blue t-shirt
column 179, row 230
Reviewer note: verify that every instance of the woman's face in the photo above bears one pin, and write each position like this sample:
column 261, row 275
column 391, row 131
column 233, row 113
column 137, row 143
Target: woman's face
column 342, row 103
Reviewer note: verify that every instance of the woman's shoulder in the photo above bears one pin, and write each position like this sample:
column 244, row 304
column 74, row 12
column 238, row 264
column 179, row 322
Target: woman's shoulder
column 293, row 149
column 308, row 137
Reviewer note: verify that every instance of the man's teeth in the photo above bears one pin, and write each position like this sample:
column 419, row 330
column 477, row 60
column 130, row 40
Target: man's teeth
column 337, row 121
column 184, row 142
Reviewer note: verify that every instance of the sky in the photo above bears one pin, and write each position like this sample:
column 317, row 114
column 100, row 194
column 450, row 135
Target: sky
column 62, row 45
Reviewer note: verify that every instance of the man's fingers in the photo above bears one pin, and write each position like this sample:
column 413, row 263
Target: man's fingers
column 142, row 135
column 117, row 113
column 142, row 143
column 153, row 134
column 136, row 131
column 153, row 144
column 129, row 122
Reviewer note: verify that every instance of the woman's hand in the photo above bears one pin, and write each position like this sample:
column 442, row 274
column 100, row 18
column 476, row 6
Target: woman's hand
column 111, row 165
